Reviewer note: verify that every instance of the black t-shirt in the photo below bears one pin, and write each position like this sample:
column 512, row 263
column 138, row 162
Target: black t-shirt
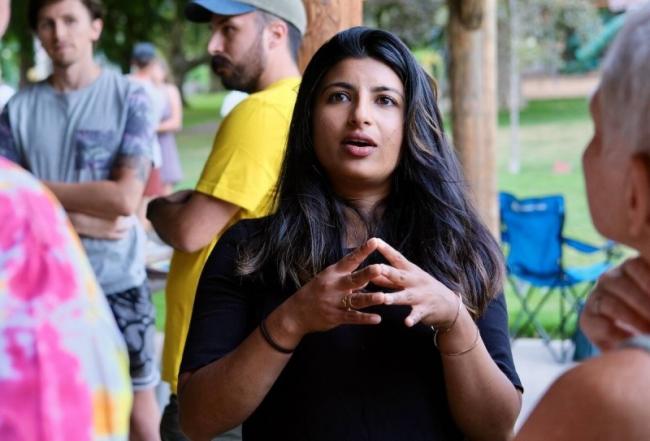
column 356, row 383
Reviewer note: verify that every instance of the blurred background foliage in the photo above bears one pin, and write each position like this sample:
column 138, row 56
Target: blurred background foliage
column 559, row 36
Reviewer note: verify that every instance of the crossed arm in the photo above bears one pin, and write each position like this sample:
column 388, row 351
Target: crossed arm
column 188, row 220
column 106, row 199
column 102, row 209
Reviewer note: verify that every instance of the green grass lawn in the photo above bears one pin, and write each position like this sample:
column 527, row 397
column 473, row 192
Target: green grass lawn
column 552, row 131
column 203, row 109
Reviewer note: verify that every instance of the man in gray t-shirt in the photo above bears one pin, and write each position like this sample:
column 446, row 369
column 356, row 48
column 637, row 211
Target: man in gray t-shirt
column 87, row 134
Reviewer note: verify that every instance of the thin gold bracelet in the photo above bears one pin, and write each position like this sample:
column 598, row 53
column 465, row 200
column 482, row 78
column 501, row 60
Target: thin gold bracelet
column 437, row 330
column 464, row 351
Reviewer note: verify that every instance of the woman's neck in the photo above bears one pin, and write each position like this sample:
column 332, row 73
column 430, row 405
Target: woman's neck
column 363, row 200
column 363, row 206
column 358, row 218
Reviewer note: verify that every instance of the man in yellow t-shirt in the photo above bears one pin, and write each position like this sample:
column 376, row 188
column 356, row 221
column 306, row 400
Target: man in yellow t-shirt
column 254, row 47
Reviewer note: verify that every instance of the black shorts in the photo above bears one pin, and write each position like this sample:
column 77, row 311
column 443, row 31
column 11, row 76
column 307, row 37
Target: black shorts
column 136, row 317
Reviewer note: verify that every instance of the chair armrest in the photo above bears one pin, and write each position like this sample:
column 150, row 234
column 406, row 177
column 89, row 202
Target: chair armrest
column 610, row 248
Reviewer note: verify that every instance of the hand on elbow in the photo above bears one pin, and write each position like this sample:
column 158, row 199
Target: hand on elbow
column 187, row 243
column 126, row 205
column 179, row 238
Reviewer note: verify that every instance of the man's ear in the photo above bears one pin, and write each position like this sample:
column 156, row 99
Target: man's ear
column 278, row 32
column 637, row 196
column 97, row 27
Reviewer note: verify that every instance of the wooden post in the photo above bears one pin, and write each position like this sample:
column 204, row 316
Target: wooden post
column 472, row 35
column 324, row 19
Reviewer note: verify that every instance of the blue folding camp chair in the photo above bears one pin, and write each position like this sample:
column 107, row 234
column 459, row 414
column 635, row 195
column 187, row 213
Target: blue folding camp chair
column 531, row 231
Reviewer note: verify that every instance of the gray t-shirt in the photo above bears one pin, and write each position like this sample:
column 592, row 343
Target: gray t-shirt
column 77, row 137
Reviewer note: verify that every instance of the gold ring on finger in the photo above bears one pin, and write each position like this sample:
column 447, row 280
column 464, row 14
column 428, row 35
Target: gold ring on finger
column 346, row 301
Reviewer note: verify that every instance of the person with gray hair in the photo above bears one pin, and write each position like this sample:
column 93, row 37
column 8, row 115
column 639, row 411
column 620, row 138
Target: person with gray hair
column 613, row 389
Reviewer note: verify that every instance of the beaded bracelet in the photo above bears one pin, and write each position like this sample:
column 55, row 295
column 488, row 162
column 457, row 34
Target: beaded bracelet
column 270, row 341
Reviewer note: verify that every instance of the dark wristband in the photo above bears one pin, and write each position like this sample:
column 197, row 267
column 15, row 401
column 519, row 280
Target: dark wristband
column 270, row 341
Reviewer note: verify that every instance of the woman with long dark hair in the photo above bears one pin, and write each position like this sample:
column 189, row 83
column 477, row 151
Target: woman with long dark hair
column 367, row 307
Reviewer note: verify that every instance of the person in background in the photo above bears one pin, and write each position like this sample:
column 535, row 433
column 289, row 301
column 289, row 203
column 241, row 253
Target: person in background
column 369, row 305
column 171, row 122
column 606, row 397
column 92, row 150
column 254, row 46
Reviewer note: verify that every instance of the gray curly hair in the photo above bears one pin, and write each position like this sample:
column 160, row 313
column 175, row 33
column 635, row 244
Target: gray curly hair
column 624, row 92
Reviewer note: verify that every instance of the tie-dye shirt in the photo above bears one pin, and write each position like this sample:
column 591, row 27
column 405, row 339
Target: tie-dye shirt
column 63, row 363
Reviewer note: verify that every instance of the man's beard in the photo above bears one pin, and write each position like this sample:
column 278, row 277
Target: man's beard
column 245, row 75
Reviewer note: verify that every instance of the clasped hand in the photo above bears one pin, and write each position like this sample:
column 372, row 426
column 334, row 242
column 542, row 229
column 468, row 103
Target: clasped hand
column 619, row 306
column 334, row 296
column 99, row 228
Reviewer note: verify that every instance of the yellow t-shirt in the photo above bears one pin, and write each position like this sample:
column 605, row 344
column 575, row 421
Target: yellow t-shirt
column 243, row 168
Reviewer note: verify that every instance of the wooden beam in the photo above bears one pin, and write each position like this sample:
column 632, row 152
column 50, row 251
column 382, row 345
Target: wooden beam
column 472, row 35
column 324, row 19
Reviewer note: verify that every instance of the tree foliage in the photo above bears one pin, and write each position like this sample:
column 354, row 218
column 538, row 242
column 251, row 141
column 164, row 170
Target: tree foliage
column 416, row 22
column 551, row 31
column 162, row 22
column 18, row 40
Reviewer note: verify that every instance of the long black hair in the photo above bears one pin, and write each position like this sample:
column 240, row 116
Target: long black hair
column 427, row 216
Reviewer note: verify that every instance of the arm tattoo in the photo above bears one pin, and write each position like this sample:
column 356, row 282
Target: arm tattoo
column 140, row 164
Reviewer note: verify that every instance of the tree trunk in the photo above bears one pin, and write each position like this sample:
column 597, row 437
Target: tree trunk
column 472, row 34
column 180, row 67
column 325, row 18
